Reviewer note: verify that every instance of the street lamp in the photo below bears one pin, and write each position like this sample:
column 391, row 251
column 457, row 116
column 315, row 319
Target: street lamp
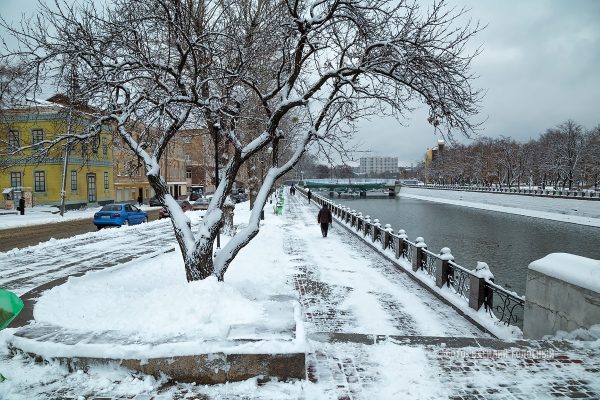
column 217, row 179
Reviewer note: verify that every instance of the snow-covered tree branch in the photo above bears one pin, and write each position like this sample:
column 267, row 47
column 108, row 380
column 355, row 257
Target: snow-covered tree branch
column 244, row 70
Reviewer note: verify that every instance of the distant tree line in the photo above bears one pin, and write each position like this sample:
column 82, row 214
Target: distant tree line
column 566, row 156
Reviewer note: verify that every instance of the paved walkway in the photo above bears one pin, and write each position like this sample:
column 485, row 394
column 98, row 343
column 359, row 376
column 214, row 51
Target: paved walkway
column 409, row 346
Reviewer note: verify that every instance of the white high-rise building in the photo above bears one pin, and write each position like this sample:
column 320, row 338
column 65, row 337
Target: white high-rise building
column 377, row 165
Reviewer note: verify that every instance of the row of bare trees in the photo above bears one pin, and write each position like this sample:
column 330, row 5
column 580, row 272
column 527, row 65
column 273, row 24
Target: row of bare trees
column 566, row 156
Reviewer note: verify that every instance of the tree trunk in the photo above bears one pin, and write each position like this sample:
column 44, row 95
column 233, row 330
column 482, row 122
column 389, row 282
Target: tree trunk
column 201, row 265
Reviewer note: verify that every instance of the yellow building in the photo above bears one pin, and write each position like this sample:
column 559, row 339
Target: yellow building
column 89, row 167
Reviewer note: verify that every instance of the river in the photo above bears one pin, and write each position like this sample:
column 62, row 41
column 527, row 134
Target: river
column 507, row 242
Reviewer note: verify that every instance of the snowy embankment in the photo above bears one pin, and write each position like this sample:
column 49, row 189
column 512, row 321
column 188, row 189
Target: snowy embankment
column 582, row 212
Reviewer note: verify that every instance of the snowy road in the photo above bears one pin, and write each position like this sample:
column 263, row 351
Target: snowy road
column 24, row 269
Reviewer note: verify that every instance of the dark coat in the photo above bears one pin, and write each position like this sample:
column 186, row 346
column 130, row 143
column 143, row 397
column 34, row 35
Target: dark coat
column 324, row 216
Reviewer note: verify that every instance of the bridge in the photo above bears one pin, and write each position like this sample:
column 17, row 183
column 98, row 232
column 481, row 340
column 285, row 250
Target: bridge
column 361, row 186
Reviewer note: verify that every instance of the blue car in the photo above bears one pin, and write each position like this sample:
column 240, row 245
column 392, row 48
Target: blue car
column 118, row 215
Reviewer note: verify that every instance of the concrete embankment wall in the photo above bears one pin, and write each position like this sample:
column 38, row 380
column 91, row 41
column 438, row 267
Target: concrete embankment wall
column 563, row 294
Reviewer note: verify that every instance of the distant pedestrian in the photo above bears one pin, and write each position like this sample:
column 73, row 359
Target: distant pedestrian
column 325, row 219
column 309, row 194
column 140, row 200
column 21, row 207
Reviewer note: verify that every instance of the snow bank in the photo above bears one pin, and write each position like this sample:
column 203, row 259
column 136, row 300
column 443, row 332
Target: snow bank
column 574, row 211
column 151, row 303
column 576, row 270
column 152, row 300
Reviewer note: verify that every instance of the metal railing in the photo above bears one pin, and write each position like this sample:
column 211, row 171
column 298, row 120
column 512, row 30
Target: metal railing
column 475, row 290
column 539, row 192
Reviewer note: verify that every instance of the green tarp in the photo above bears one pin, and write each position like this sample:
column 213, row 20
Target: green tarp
column 10, row 306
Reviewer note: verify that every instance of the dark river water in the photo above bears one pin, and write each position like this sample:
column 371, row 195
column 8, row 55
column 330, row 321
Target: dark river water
column 507, row 242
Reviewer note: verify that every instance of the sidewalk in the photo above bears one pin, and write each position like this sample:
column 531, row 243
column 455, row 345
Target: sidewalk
column 441, row 356
column 373, row 334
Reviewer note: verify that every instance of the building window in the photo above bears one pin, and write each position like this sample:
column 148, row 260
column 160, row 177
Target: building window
column 91, row 179
column 188, row 174
column 95, row 144
column 15, row 179
column 188, row 157
column 39, row 178
column 37, row 136
column 104, row 148
column 105, row 180
column 73, row 180
column 13, row 140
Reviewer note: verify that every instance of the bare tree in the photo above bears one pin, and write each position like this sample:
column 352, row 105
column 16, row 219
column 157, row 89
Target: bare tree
column 172, row 64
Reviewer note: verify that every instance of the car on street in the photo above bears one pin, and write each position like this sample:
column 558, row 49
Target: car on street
column 119, row 215
column 201, row 204
column 153, row 202
column 184, row 204
column 239, row 198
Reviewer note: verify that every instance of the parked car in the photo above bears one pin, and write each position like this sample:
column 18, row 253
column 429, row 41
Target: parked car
column 201, row 204
column 184, row 204
column 194, row 196
column 238, row 198
column 153, row 202
column 118, row 215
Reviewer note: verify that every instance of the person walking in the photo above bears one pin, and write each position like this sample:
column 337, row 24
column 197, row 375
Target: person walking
column 325, row 219
column 309, row 195
column 140, row 200
column 21, row 207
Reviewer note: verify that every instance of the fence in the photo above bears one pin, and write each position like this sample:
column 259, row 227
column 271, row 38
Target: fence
column 556, row 193
column 473, row 287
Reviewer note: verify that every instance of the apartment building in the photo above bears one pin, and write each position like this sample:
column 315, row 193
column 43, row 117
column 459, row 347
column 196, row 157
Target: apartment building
column 377, row 165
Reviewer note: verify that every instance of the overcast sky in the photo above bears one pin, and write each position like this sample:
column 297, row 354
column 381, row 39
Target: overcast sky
column 540, row 66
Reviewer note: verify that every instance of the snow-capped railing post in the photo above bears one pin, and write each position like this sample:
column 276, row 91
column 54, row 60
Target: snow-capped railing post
column 376, row 230
column 478, row 294
column 359, row 222
column 387, row 236
column 420, row 256
column 400, row 249
column 353, row 218
column 367, row 226
column 445, row 271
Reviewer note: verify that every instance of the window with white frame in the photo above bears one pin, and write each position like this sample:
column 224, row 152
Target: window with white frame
column 37, row 136
column 73, row 180
column 15, row 179
column 39, row 180
column 105, row 180
column 14, row 140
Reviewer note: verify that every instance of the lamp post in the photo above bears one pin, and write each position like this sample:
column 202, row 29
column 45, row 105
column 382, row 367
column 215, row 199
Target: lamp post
column 217, row 179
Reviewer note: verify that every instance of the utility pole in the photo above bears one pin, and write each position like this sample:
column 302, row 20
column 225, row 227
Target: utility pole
column 70, row 98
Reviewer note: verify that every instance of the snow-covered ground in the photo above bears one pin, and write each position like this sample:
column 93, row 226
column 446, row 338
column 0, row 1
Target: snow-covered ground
column 582, row 212
column 43, row 214
column 343, row 286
